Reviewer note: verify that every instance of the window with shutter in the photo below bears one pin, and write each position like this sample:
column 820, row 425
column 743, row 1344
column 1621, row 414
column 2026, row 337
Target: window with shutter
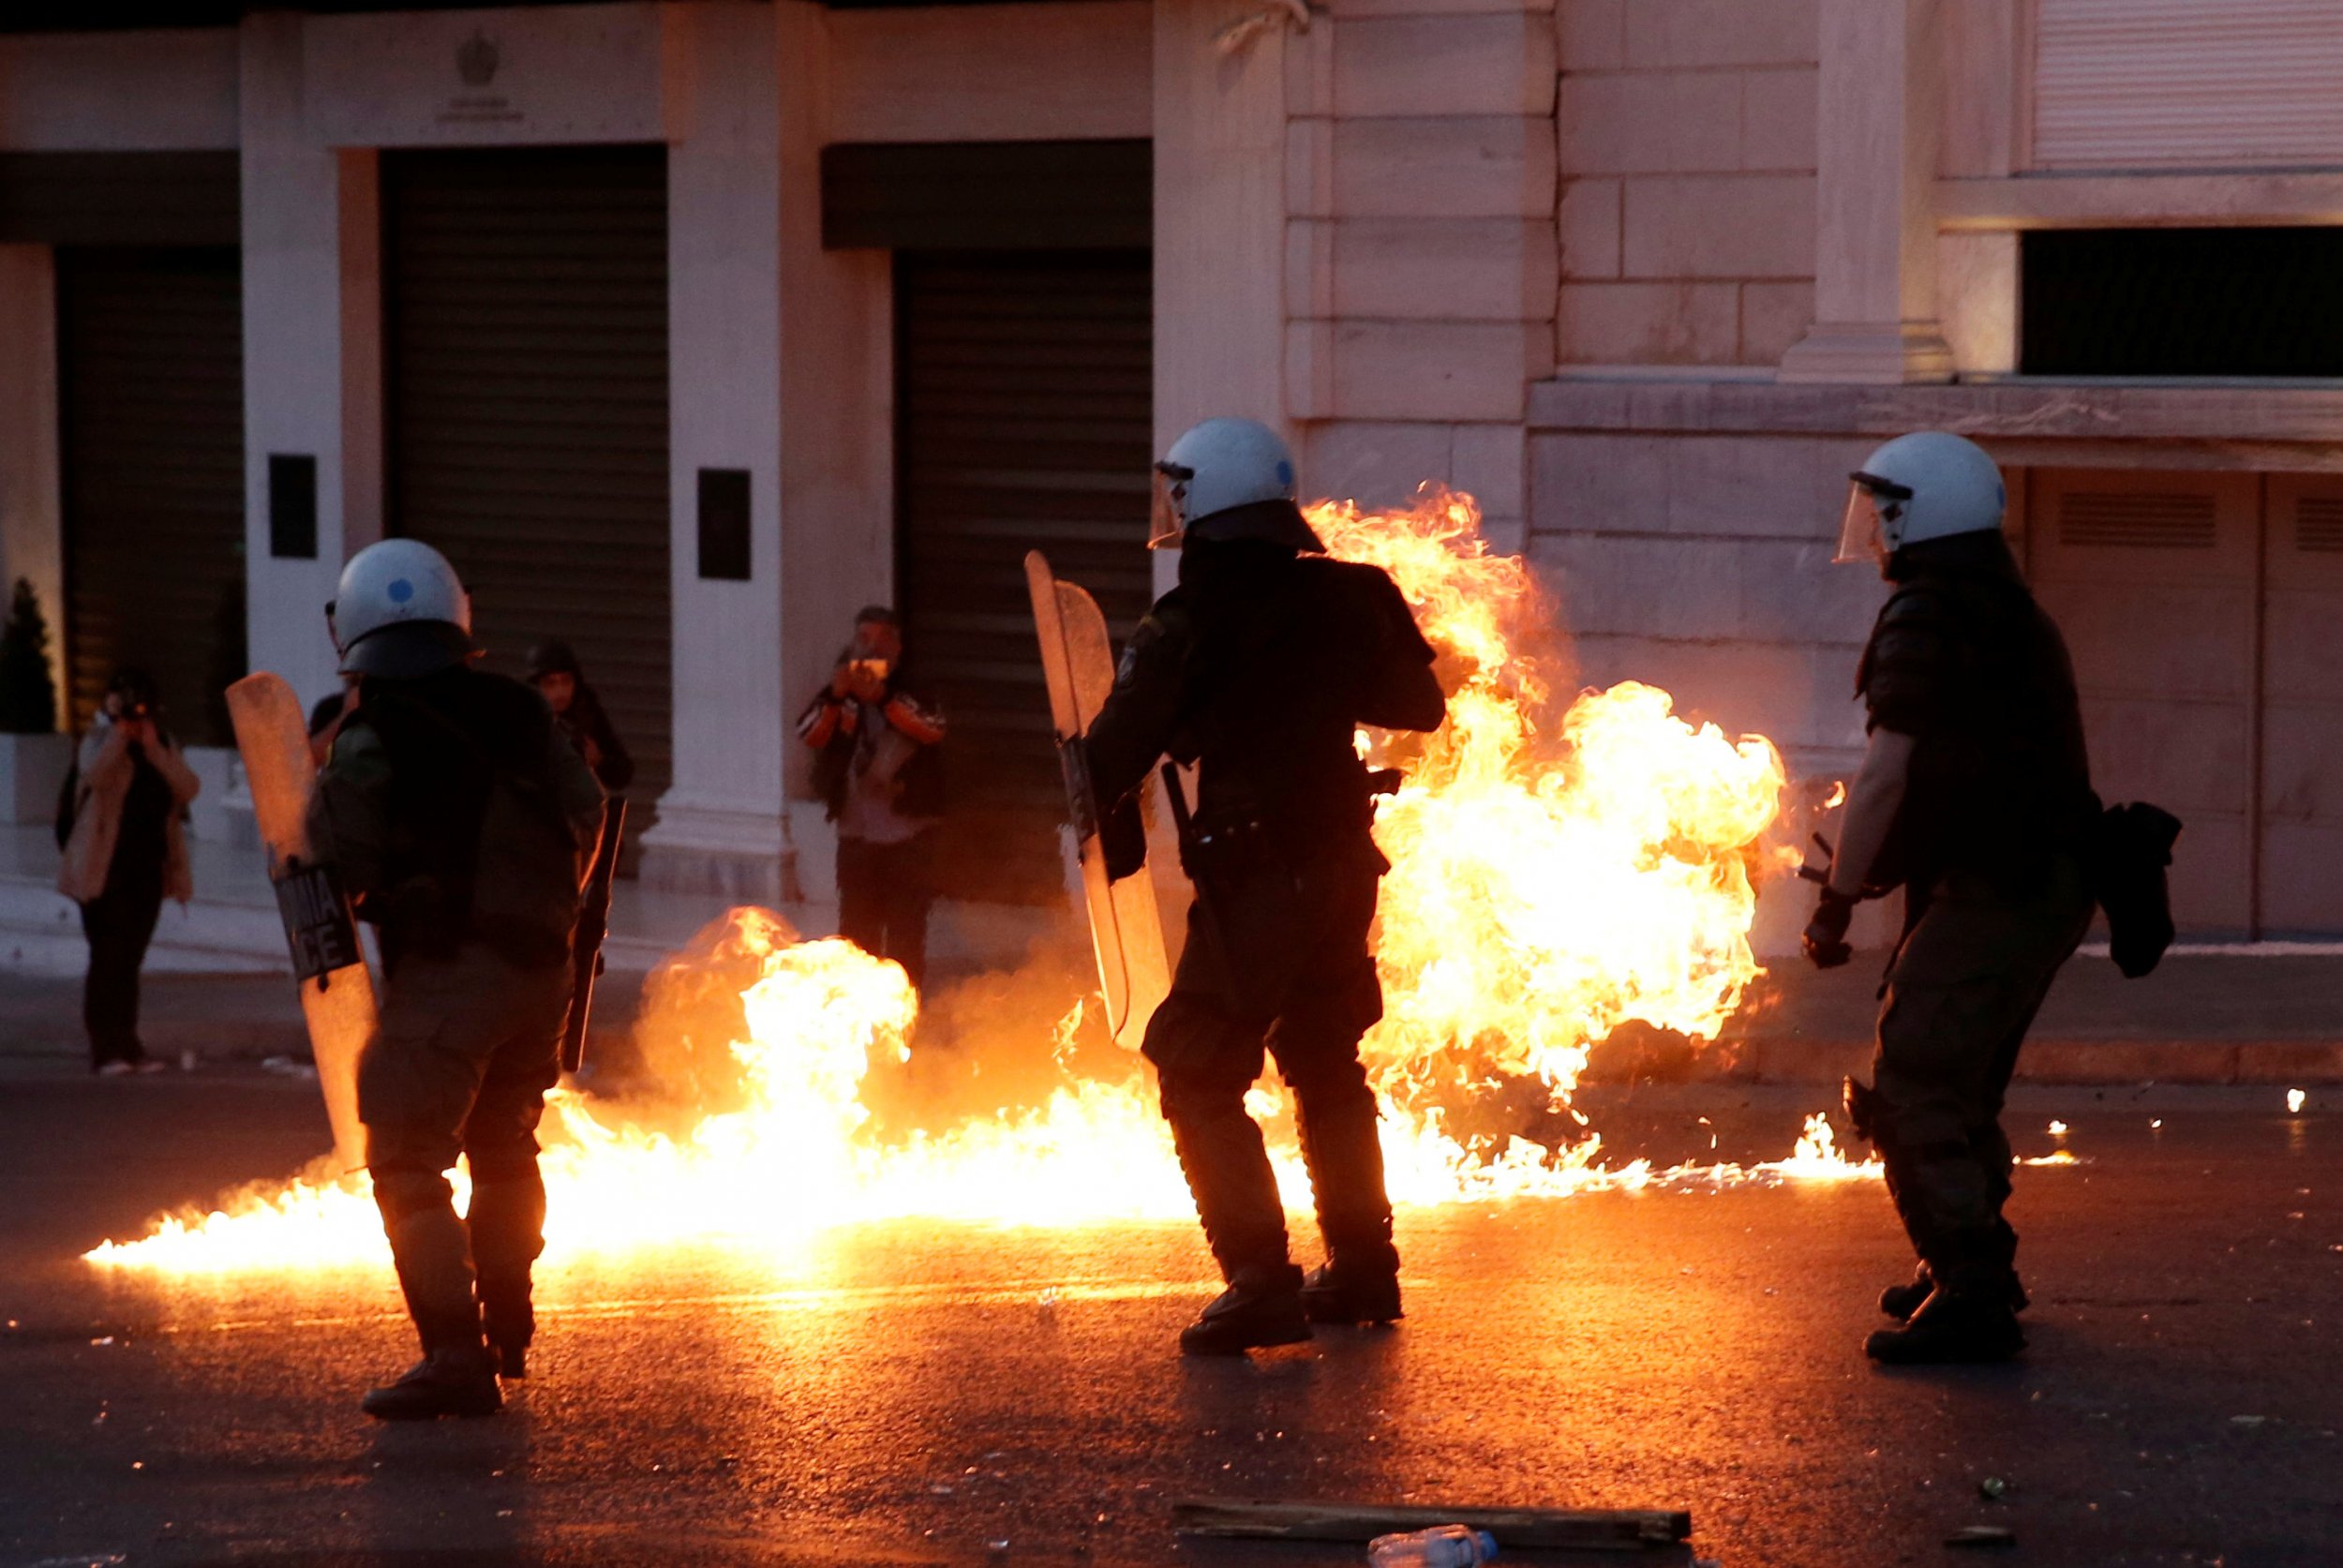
column 2145, row 83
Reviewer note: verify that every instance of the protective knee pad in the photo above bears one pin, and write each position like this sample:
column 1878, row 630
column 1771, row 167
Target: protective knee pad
column 403, row 1191
column 1332, row 1083
column 1200, row 1093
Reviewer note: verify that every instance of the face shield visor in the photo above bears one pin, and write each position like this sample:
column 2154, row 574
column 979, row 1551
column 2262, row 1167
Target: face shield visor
column 1871, row 505
column 1167, row 512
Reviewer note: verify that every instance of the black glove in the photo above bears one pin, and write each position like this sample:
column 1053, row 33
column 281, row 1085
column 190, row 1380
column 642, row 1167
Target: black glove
column 1122, row 836
column 1826, row 945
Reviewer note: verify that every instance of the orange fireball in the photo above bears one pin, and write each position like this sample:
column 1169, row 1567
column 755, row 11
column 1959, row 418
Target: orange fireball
column 1560, row 864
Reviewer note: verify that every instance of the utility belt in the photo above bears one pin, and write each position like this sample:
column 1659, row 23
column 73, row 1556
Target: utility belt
column 1229, row 848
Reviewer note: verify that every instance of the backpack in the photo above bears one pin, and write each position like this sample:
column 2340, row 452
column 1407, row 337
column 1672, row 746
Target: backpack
column 2129, row 849
column 513, row 877
column 525, row 878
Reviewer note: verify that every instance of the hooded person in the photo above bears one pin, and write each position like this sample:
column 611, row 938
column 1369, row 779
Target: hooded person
column 1974, row 796
column 554, row 670
column 459, row 819
column 1258, row 669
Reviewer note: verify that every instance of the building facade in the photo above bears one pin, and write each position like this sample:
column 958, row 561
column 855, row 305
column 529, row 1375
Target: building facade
column 687, row 326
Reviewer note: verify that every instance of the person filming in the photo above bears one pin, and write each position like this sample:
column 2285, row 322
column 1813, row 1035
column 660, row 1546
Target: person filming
column 124, row 853
column 879, row 773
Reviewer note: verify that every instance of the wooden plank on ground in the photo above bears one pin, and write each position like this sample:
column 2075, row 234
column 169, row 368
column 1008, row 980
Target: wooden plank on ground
column 1578, row 1528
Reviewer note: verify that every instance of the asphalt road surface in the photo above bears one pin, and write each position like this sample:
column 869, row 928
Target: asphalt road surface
column 920, row 1394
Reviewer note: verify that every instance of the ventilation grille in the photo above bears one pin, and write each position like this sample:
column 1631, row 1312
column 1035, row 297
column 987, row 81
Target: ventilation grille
column 2318, row 524
column 2135, row 521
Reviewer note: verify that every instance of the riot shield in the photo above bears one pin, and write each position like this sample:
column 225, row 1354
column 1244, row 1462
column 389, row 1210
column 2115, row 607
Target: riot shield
column 336, row 991
column 1126, row 929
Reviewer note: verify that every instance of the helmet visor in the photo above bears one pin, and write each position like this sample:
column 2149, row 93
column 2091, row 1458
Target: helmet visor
column 1859, row 535
column 1166, row 510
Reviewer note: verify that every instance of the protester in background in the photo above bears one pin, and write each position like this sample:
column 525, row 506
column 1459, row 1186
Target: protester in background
column 553, row 668
column 123, row 855
column 880, row 775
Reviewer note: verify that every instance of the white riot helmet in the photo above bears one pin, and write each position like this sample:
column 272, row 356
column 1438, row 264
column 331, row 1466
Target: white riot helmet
column 1224, row 472
column 400, row 612
column 1929, row 484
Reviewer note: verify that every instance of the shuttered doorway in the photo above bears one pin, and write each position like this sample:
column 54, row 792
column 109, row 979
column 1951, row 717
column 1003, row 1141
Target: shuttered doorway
column 2151, row 577
column 150, row 356
column 1024, row 396
column 2205, row 616
column 526, row 397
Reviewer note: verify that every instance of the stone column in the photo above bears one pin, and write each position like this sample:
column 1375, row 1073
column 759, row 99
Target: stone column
column 1875, row 227
column 312, row 350
column 781, row 365
column 721, row 823
column 837, row 427
column 1220, row 154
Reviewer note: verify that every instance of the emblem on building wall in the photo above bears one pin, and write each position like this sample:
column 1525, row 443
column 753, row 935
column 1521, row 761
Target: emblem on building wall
column 476, row 60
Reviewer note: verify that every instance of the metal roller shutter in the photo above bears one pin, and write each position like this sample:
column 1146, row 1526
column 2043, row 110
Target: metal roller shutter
column 2152, row 578
column 2123, row 84
column 526, row 336
column 150, row 353
column 1024, row 396
column 2301, row 819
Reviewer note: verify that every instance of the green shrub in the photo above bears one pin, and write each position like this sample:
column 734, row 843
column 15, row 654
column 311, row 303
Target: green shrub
column 28, row 697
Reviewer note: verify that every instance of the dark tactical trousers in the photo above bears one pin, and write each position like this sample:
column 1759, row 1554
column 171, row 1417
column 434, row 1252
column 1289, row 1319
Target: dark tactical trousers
column 119, row 923
column 459, row 1063
column 884, row 894
column 1283, row 969
column 1961, row 992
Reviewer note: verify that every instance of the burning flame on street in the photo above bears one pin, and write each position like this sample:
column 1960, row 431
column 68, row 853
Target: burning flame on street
column 1560, row 866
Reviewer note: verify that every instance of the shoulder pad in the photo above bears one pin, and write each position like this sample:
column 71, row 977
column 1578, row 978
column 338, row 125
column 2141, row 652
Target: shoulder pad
column 1916, row 603
column 357, row 754
column 1167, row 628
column 1168, row 617
column 1348, row 576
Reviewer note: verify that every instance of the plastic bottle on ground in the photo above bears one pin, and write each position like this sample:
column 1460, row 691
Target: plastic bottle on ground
column 1442, row 1546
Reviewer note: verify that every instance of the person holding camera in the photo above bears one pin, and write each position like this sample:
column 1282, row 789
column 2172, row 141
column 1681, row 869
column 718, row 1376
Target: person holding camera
column 880, row 776
column 124, row 853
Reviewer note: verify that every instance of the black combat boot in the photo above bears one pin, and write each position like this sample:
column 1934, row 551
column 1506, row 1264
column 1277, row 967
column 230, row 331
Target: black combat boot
column 1359, row 1282
column 1900, row 1301
column 1261, row 1307
column 1228, row 1170
column 1952, row 1327
column 451, row 1381
column 1338, row 1292
column 507, row 1227
column 458, row 1375
column 1971, row 1315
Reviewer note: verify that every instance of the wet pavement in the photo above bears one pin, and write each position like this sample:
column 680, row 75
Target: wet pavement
column 914, row 1393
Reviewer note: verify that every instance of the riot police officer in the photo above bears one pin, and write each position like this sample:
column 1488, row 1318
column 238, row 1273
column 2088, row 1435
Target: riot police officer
column 1974, row 796
column 458, row 818
column 1259, row 668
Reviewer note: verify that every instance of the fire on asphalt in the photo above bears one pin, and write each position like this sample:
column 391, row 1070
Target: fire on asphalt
column 920, row 1391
